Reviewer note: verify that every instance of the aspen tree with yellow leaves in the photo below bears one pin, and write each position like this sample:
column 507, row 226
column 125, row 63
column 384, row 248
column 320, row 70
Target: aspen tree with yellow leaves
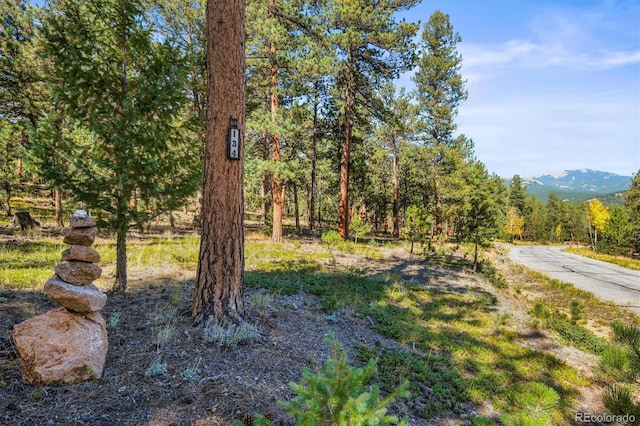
column 597, row 215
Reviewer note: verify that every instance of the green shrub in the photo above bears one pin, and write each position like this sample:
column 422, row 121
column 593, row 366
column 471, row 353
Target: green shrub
column 330, row 238
column 491, row 274
column 576, row 310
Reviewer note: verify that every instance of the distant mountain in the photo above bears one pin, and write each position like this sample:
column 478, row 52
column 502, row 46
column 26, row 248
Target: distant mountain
column 579, row 185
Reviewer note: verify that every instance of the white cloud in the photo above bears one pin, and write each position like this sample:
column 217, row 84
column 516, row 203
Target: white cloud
column 559, row 38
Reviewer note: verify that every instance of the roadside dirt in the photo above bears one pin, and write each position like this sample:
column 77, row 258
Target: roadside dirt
column 228, row 383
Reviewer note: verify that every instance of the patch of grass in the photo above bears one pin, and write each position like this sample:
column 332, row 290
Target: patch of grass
column 113, row 320
column 623, row 261
column 192, row 372
column 569, row 330
column 491, row 274
column 435, row 382
column 557, row 295
column 156, row 368
column 29, row 264
column 230, row 335
column 474, row 363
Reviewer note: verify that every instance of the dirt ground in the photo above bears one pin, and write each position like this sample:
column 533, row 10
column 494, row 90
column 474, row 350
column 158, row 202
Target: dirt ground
column 227, row 383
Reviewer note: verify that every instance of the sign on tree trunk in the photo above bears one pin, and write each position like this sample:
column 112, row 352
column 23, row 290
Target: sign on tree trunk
column 218, row 293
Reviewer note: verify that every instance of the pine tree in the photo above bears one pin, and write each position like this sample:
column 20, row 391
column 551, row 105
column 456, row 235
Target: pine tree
column 370, row 47
column 119, row 95
column 22, row 92
column 556, row 217
column 182, row 22
column 517, row 194
column 395, row 127
column 439, row 92
column 270, row 47
column 482, row 207
column 219, row 282
column 632, row 203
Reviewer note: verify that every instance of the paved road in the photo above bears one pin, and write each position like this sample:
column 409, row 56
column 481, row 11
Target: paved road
column 607, row 281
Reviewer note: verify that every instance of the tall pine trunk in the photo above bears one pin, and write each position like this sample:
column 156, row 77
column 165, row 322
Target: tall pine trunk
column 278, row 188
column 314, row 160
column 121, row 252
column 57, row 200
column 218, row 292
column 296, row 206
column 396, row 190
column 349, row 101
column 7, row 199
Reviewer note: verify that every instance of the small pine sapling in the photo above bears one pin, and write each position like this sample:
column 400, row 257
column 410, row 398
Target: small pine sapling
column 340, row 395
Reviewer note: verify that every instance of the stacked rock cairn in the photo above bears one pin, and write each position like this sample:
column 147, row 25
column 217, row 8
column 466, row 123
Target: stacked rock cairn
column 69, row 344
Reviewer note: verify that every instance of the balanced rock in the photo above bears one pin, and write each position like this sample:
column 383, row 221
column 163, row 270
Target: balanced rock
column 82, row 222
column 81, row 236
column 83, row 253
column 78, row 273
column 61, row 347
column 83, row 299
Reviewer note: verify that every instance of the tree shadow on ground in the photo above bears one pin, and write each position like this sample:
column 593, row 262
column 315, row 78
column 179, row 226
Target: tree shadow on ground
column 160, row 370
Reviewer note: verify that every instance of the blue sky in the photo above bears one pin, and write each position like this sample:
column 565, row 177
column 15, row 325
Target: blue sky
column 553, row 85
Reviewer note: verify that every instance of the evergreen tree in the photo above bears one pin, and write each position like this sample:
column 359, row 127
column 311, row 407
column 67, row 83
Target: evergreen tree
column 21, row 88
column 22, row 92
column 535, row 220
column 370, row 47
column 219, row 282
column 439, row 91
column 517, row 194
column 271, row 46
column 182, row 23
column 10, row 148
column 556, row 217
column 632, row 203
column 482, row 207
column 618, row 235
column 119, row 94
column 395, row 127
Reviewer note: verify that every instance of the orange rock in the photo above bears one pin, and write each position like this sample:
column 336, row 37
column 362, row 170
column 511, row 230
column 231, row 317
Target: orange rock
column 61, row 347
column 86, row 298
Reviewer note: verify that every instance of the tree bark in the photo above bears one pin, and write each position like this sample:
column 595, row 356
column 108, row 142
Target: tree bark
column 197, row 217
column 314, row 159
column 57, row 198
column 296, row 206
column 396, row 190
column 218, row 292
column 120, row 284
column 343, row 206
column 278, row 188
column 7, row 199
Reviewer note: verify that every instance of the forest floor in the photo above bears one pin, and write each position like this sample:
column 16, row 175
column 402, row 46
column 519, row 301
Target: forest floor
column 161, row 371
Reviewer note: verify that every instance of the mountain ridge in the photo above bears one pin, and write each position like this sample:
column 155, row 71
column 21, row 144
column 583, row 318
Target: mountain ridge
column 577, row 185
